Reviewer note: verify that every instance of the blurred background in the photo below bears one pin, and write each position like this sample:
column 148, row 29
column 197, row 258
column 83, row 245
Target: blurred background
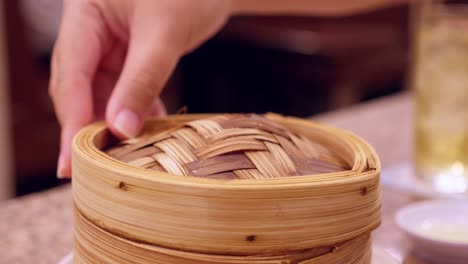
column 298, row 66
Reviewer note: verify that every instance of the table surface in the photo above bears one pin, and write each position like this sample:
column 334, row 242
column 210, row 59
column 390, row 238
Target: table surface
column 38, row 228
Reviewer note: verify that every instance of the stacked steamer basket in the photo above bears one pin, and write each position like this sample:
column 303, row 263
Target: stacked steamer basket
column 225, row 189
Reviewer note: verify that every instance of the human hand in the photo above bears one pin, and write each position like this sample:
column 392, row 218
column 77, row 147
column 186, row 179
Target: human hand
column 113, row 57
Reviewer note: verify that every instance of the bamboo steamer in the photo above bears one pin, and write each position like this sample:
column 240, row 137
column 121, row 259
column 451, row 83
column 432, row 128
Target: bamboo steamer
column 130, row 214
column 95, row 245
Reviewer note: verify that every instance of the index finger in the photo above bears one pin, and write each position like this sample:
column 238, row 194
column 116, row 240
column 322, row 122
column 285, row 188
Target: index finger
column 79, row 48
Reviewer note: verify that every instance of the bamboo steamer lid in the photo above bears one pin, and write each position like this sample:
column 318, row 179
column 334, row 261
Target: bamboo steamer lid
column 186, row 185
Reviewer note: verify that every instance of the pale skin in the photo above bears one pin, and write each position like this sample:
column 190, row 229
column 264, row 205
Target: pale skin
column 112, row 58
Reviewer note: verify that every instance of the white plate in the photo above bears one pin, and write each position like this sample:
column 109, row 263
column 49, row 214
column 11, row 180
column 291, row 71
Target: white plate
column 379, row 256
column 402, row 177
column 437, row 229
column 68, row 259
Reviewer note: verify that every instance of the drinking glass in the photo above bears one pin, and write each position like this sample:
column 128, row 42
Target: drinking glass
column 440, row 84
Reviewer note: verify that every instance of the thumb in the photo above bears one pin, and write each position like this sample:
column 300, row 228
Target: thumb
column 149, row 63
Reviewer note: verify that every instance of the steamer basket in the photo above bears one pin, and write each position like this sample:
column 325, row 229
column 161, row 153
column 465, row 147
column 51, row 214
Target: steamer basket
column 95, row 245
column 275, row 216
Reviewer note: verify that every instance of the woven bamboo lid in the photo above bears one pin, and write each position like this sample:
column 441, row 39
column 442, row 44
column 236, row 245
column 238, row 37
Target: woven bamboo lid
column 310, row 186
column 229, row 147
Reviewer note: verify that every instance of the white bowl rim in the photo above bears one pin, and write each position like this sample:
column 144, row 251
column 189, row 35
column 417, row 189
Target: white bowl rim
column 415, row 207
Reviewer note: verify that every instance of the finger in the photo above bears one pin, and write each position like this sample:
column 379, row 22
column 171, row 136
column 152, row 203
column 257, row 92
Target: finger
column 81, row 41
column 157, row 108
column 150, row 60
column 106, row 77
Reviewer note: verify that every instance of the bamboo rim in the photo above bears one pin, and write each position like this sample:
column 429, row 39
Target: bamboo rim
column 228, row 146
column 95, row 245
column 238, row 217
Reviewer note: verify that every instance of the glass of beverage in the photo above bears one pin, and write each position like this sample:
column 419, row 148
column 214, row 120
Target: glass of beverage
column 440, row 84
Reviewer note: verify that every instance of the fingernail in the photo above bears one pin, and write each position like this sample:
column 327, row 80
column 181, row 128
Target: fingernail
column 61, row 168
column 127, row 123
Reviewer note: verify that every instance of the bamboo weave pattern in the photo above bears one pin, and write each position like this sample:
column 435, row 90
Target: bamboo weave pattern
column 229, row 147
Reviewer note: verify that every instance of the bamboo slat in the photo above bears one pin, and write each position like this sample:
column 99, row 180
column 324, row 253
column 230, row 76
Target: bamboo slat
column 288, row 185
column 95, row 245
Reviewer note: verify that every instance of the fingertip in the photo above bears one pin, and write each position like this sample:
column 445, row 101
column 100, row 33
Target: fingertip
column 64, row 166
column 127, row 124
column 158, row 108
